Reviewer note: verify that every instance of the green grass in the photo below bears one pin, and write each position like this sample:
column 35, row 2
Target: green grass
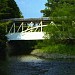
column 59, row 48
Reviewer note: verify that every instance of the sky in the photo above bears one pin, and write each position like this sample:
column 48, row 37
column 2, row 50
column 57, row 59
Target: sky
column 31, row 8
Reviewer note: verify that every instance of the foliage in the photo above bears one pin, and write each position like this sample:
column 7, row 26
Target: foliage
column 3, row 40
column 3, row 29
column 64, row 9
column 9, row 9
column 62, row 13
column 61, row 31
column 58, row 8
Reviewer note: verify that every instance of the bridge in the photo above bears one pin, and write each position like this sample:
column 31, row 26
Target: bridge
column 27, row 29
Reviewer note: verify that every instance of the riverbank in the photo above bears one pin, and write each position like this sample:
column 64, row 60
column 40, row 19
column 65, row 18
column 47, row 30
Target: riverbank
column 42, row 54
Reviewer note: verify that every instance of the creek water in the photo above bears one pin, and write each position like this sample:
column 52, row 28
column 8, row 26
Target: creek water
column 32, row 65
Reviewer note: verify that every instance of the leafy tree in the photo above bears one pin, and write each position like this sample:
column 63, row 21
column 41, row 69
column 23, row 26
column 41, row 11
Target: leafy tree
column 58, row 8
column 3, row 39
column 9, row 9
column 50, row 7
column 61, row 33
column 61, row 30
column 62, row 13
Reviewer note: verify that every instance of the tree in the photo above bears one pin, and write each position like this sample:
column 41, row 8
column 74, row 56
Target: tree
column 58, row 8
column 9, row 9
column 50, row 7
column 62, row 13
column 60, row 32
column 3, row 39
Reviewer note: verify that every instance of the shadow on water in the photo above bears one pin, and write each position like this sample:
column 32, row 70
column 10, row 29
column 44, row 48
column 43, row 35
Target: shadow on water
column 20, row 47
column 3, row 58
column 3, row 67
column 31, row 65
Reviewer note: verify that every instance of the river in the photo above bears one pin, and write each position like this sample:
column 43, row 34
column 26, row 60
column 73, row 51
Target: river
column 32, row 65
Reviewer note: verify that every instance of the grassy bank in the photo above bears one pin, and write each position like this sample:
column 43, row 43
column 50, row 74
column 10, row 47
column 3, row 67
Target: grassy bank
column 58, row 48
column 58, row 51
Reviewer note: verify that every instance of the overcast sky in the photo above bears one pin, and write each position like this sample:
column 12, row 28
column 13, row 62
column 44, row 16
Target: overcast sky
column 31, row 8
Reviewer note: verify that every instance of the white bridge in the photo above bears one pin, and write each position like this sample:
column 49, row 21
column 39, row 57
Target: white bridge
column 27, row 29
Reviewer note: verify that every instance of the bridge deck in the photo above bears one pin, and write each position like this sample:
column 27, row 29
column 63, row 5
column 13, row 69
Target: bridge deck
column 26, row 36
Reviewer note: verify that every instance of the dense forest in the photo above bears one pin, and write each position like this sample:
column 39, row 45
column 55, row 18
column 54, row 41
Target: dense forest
column 61, row 31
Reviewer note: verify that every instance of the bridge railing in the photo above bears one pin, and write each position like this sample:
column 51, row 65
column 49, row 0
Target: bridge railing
column 15, row 29
column 28, row 28
column 27, row 25
column 35, row 29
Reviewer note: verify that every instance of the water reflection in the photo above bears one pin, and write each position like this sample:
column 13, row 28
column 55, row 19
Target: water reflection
column 30, row 65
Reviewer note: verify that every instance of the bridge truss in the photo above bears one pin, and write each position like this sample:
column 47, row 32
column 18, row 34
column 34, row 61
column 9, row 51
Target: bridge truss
column 27, row 29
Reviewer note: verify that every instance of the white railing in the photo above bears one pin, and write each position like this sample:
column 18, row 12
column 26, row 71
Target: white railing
column 36, row 28
column 12, row 28
column 33, row 28
column 20, row 27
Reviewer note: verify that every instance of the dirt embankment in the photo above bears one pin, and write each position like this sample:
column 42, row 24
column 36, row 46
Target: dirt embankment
column 51, row 55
